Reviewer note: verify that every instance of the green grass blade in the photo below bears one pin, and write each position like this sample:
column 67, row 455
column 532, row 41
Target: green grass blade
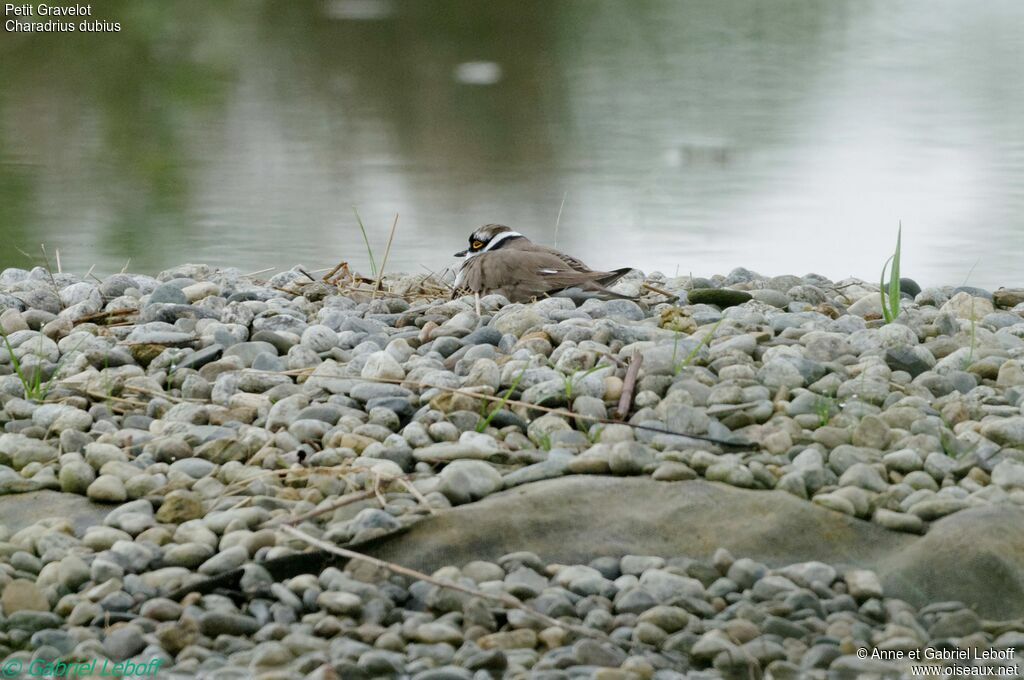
column 35, row 388
column 894, row 277
column 369, row 250
column 881, row 291
column 17, row 367
column 693, row 353
column 484, row 422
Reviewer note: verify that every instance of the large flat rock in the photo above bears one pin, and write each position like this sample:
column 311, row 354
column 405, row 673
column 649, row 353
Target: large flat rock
column 17, row 511
column 975, row 556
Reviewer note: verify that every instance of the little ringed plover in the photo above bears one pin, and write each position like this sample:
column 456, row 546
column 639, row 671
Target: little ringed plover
column 500, row 260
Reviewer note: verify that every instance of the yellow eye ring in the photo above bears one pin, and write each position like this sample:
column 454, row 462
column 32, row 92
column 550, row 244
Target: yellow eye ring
column 477, row 245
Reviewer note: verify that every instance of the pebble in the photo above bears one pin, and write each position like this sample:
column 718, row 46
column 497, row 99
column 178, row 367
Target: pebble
column 901, row 424
column 23, row 595
column 463, row 481
column 107, row 489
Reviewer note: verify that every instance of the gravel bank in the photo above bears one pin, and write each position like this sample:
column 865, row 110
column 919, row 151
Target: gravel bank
column 212, row 408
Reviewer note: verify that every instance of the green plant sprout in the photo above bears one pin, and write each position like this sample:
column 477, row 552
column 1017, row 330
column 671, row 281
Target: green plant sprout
column 35, row 387
column 366, row 240
column 823, row 407
column 891, row 310
column 570, row 380
column 678, row 368
column 485, row 420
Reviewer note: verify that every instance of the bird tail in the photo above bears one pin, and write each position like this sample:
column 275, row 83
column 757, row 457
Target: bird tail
column 613, row 276
column 605, row 294
column 600, row 285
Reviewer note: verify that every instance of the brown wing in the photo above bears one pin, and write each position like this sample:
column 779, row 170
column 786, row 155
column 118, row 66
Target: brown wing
column 605, row 278
column 522, row 271
column 524, row 275
column 572, row 262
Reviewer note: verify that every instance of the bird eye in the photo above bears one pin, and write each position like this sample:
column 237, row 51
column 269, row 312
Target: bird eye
column 477, row 245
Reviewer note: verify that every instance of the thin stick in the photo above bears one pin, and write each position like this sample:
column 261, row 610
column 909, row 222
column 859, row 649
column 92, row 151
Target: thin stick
column 416, row 492
column 60, row 269
column 260, row 271
column 49, row 269
column 110, row 397
column 342, row 470
column 629, row 384
column 670, row 296
column 971, row 271
column 724, row 409
column 504, row 599
column 125, row 267
column 306, row 372
column 347, row 499
column 558, row 219
column 164, row 395
column 384, row 262
column 332, row 272
column 101, row 316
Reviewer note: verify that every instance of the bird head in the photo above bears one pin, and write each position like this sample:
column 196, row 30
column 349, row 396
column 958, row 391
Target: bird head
column 486, row 238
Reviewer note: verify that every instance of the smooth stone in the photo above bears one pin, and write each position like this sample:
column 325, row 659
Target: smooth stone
column 214, row 623
column 107, row 489
column 720, row 297
column 23, row 595
column 463, row 481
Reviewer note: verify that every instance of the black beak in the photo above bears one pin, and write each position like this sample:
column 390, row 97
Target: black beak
column 462, row 253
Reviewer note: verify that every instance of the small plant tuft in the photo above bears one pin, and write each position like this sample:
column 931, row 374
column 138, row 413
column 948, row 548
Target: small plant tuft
column 486, row 416
column 570, row 380
column 545, row 442
column 35, row 387
column 366, row 240
column 891, row 309
column 823, row 407
column 678, row 368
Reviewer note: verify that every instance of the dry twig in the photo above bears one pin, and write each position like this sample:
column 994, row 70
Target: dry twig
column 342, row 501
column 660, row 291
column 307, row 372
column 504, row 599
column 629, row 384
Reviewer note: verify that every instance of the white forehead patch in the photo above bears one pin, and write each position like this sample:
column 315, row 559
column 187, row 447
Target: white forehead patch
column 499, row 238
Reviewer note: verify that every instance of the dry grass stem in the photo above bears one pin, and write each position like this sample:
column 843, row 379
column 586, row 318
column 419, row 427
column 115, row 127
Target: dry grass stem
column 342, row 501
column 660, row 291
column 384, row 262
column 417, row 494
column 629, row 384
column 104, row 316
column 505, row 600
column 331, row 272
column 558, row 218
column 307, row 372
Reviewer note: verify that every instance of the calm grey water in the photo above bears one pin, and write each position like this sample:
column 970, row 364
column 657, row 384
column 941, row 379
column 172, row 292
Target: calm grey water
column 689, row 137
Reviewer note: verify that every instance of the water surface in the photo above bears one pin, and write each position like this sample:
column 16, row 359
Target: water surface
column 685, row 137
